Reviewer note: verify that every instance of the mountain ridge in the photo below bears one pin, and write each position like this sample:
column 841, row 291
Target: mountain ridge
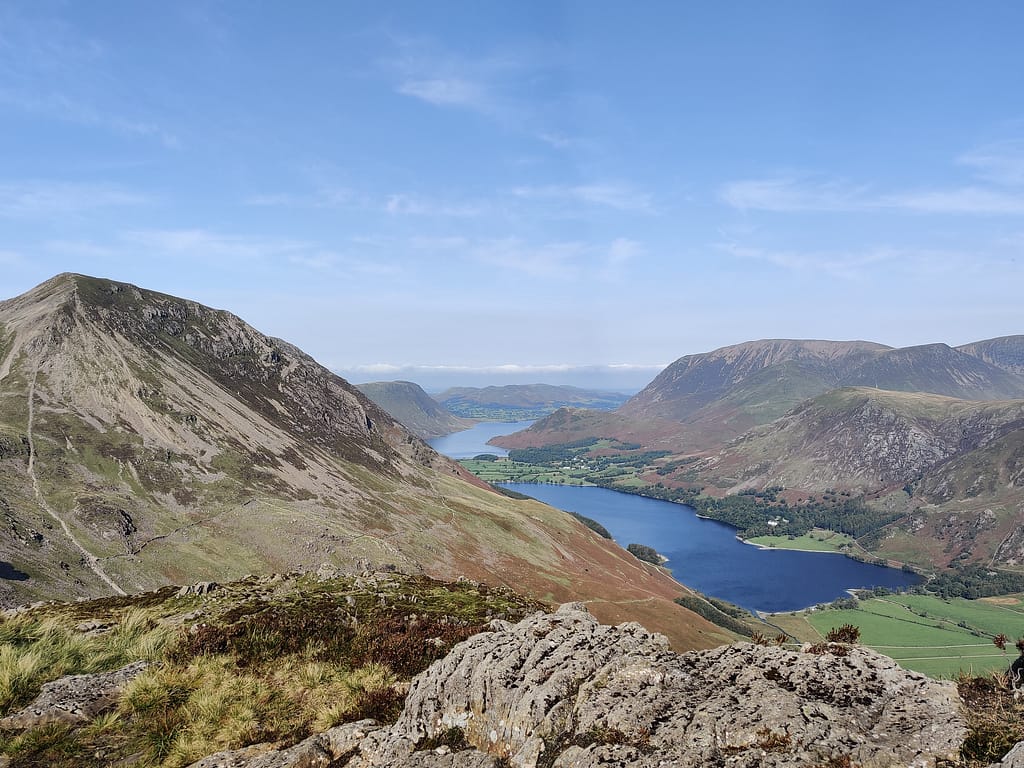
column 176, row 443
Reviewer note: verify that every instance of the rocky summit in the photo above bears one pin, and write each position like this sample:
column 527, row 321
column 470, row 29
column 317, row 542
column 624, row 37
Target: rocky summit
column 560, row 689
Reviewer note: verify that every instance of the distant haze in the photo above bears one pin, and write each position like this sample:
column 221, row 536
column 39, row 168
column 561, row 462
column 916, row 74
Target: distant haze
column 434, row 379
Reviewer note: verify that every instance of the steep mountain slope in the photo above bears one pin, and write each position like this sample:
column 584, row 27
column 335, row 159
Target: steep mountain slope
column 951, row 472
column 863, row 438
column 938, row 369
column 1006, row 352
column 694, row 381
column 701, row 401
column 409, row 404
column 146, row 439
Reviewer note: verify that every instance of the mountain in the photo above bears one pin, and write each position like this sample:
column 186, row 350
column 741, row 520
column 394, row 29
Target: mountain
column 694, row 381
column 147, row 439
column 1006, row 352
column 519, row 402
column 951, row 472
column 704, row 400
column 863, row 438
column 409, row 404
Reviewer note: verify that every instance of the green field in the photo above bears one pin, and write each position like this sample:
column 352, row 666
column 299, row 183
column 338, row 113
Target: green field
column 816, row 540
column 505, row 471
column 924, row 633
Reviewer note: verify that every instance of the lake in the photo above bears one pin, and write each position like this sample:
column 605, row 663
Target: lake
column 473, row 441
column 703, row 554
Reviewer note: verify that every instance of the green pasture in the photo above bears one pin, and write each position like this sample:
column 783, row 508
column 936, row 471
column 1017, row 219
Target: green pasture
column 816, row 540
column 927, row 634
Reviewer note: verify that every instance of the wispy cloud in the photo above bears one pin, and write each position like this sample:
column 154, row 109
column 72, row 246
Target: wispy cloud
column 328, row 262
column 202, row 243
column 47, row 198
column 620, row 253
column 446, row 91
column 504, row 87
column 789, row 194
column 1000, row 162
column 571, row 260
column 965, row 200
column 854, row 265
column 547, row 260
column 413, row 205
column 47, row 67
column 323, row 197
column 622, row 197
column 996, row 166
column 793, row 195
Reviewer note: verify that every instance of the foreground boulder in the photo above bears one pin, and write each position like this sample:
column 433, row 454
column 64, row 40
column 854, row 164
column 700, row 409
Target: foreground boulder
column 562, row 690
column 74, row 699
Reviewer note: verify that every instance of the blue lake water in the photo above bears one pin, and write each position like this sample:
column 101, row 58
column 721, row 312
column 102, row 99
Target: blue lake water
column 473, row 441
column 703, row 554
column 706, row 555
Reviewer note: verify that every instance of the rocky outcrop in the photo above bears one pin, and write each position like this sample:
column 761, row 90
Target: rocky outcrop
column 322, row 750
column 75, row 699
column 562, row 690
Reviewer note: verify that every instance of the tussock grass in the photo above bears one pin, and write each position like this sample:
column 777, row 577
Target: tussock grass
column 259, row 665
column 34, row 650
column 995, row 720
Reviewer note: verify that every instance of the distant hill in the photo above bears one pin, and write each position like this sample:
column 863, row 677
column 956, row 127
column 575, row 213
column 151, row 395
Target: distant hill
column 1006, row 352
column 519, row 402
column 409, row 404
column 703, row 400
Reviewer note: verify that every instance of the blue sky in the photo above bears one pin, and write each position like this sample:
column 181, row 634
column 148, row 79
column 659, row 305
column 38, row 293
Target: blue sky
column 525, row 189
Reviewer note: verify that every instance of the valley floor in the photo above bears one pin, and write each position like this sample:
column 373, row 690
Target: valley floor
column 927, row 634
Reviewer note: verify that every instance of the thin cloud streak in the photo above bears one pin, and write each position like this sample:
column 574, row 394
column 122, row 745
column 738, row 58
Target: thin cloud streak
column 618, row 196
column 856, row 266
column 47, row 198
column 1000, row 162
column 791, row 195
column 448, row 92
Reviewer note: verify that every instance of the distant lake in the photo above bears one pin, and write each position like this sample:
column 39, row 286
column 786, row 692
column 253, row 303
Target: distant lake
column 703, row 554
column 706, row 555
column 473, row 441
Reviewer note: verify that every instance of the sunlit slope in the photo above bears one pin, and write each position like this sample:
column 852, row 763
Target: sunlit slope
column 146, row 439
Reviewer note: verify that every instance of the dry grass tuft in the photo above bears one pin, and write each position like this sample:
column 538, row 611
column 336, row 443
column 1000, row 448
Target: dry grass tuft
column 995, row 720
column 33, row 651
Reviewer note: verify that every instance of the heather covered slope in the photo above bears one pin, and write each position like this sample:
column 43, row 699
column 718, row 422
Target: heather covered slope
column 409, row 404
column 146, row 439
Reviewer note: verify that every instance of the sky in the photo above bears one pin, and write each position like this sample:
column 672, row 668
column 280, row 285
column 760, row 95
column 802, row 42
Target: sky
column 488, row 192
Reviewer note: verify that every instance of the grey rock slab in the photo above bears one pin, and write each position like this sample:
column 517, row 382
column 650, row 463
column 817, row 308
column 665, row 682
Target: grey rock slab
column 75, row 699
column 607, row 695
column 322, row 750
column 1013, row 759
